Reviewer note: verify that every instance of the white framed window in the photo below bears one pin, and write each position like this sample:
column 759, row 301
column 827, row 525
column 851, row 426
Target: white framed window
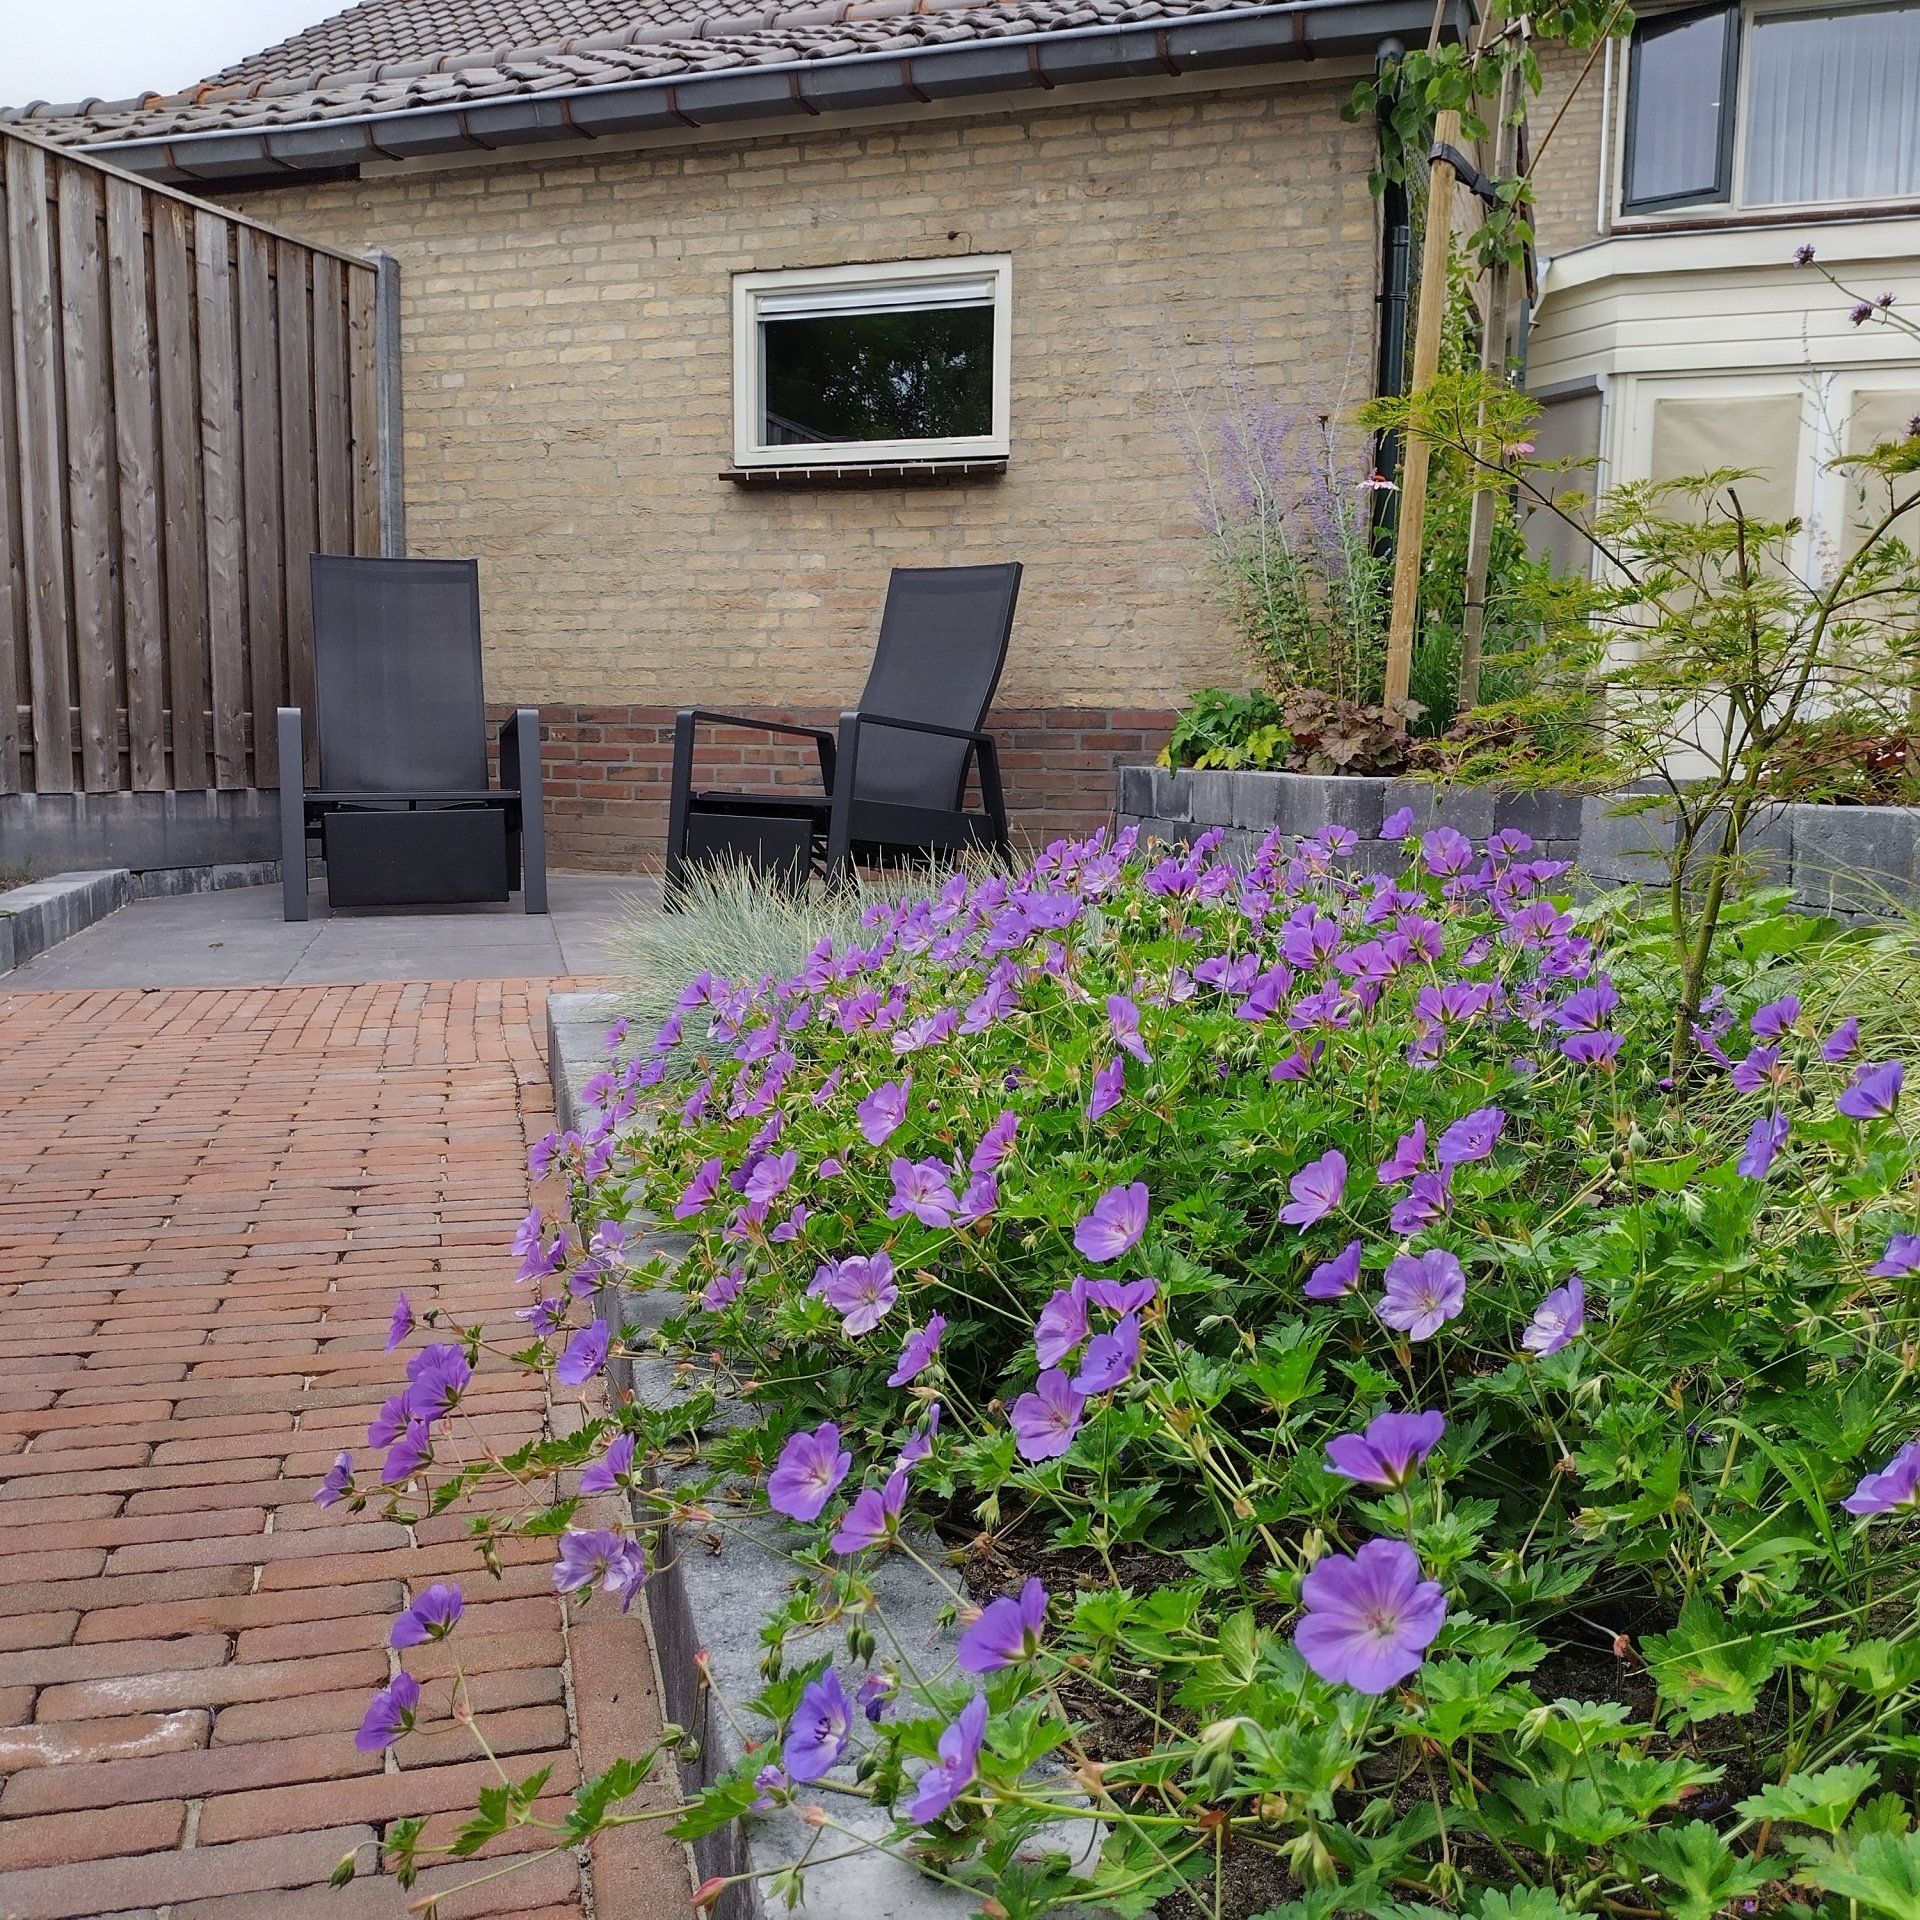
column 1753, row 104
column 873, row 364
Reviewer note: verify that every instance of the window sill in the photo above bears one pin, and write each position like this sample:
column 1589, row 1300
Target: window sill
column 1718, row 219
column 877, row 473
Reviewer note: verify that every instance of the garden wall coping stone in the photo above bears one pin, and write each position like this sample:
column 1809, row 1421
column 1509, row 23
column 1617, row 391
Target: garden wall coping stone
column 42, row 913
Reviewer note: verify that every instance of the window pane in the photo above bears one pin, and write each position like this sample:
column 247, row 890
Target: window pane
column 1834, row 107
column 924, row 375
column 1759, row 433
column 1674, row 145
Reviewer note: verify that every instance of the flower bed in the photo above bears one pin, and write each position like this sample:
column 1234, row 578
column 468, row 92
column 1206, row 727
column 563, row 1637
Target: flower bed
column 1390, row 1453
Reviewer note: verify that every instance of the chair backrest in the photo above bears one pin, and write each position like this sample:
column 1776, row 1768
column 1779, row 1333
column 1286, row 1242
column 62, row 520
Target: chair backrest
column 396, row 670
column 943, row 641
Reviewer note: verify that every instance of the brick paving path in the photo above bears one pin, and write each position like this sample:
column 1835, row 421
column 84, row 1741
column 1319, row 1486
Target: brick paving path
column 207, row 1203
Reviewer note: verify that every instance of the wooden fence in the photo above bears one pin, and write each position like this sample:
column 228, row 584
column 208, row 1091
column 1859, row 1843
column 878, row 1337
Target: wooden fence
column 189, row 406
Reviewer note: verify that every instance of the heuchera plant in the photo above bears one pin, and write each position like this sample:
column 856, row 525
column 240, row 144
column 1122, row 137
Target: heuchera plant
column 1383, row 1453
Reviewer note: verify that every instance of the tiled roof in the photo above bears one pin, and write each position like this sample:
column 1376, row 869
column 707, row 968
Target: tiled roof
column 389, row 56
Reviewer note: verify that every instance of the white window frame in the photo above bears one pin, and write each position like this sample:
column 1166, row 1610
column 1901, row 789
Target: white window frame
column 750, row 290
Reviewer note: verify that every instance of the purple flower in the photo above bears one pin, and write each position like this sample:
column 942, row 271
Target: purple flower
column 1369, row 1619
column 1316, row 1190
column 1558, row 1319
column 1387, row 1453
column 1587, row 1009
column 437, row 1376
column 979, row 1201
column 1423, row 1292
column 1118, row 1219
column 1765, row 1138
column 1901, row 1258
column 1123, row 1020
column 1776, row 1017
column 1122, row 1296
column 1897, row 1484
column 1842, row 1040
column 821, row 1726
column 874, row 1516
column 920, row 1442
column 1110, row 1358
column 1007, row 1631
column 1108, row 1085
column 1045, row 1420
column 924, row 1189
column 724, row 1288
column 1760, row 1067
column 811, row 1466
column 883, row 1110
column 586, row 1354
column 917, row 1351
column 1803, row 254
column 338, row 1483
column 611, row 1469
column 769, row 1179
column 958, row 1765
column 389, row 1423
column 1874, row 1091
column 389, row 1715
column 1397, row 825
column 860, row 1289
column 995, row 1144
column 409, row 1453
column 1061, row 1324
column 700, row 1189
column 1591, row 1049
column 1407, row 1157
column 431, row 1617
column 1331, row 1278
column 873, row 1693
column 1428, row 1197
column 619, row 1564
column 1470, row 1138
column 401, row 1324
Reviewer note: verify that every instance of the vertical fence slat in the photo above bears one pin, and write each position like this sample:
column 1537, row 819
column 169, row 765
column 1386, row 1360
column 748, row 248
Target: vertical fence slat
column 90, row 494
column 136, row 444
column 13, row 574
column 220, row 457
column 36, row 356
column 299, row 497
column 260, row 434
column 332, row 427
column 363, row 411
column 187, row 678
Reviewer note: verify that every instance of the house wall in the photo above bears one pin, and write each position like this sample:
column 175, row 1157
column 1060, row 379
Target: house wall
column 1566, row 180
column 567, row 389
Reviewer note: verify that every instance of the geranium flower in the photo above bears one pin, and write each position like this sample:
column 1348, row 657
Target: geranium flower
column 700, row 1189
column 1045, row 1420
column 924, row 1189
column 1591, row 1049
column 1765, row 1138
column 770, row 1178
column 1446, row 850
column 1110, row 1358
column 979, row 1201
column 1776, row 1017
column 586, row 1354
column 338, row 1482
column 1588, row 1009
column 1470, row 1138
column 1397, row 825
column 1559, row 1318
column 810, row 1467
column 876, row 1688
column 724, row 1288
column 1123, row 1021
column 1407, row 1158
column 619, row 1564
column 1316, row 1190
column 958, row 1765
column 1109, row 1083
column 1897, row 1484
column 436, row 1376
column 1428, row 1197
column 1842, row 1040
column 995, row 1144
column 1874, row 1091
column 389, row 1423
column 861, row 1289
column 821, row 1726
column 1369, row 1618
column 1118, row 1219
column 1760, row 1068
column 431, row 1617
column 411, row 1451
column 612, row 1469
column 1331, row 1278
column 390, row 1714
column 1061, row 1324
column 874, row 1517
column 1386, row 1454
column 1007, row 1631
column 402, row 1323
column 917, row 1351
column 1901, row 1257
column 1122, row 1296
column 920, row 1444
column 882, row 1111
column 1423, row 1292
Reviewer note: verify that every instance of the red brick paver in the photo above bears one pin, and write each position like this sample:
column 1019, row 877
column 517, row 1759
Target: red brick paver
column 207, row 1203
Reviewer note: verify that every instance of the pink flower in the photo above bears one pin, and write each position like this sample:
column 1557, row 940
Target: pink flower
column 1045, row 1420
column 1118, row 1219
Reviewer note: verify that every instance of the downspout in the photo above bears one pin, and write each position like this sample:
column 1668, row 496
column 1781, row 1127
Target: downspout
column 1396, row 258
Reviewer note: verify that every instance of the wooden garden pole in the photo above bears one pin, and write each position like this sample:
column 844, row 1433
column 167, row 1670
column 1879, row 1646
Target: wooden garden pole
column 1429, row 324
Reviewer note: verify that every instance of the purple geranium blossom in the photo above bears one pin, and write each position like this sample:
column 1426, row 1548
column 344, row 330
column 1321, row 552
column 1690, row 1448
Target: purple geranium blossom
column 861, row 1289
column 619, row 1564
column 1045, row 1420
column 1760, row 1068
column 1118, row 1219
column 1123, row 1021
column 917, row 1351
column 338, row 1483
column 586, row 1354
column 1407, row 1158
column 1874, row 1091
column 389, row 1715
column 1471, row 1138
column 700, row 1189
column 811, row 1466
column 1109, row 1083
column 1397, row 825
column 1765, row 1139
column 724, row 1288
column 1427, row 1198
column 1423, row 1292
column 409, row 1453
column 1776, row 1017
column 958, row 1765
column 1901, row 1258
column 1842, row 1040
column 1007, row 1631
column 614, row 1467
column 876, row 1688
column 1369, row 1619
column 979, row 1201
column 923, row 1188
column 770, row 1178
column 874, row 1517
column 1122, row 1296
column 436, row 1378
column 821, row 1726
column 402, row 1323
column 1559, row 1318
column 1316, row 1190
column 1897, row 1484
column 1110, row 1357
column 995, row 1144
column 1331, row 1278
column 390, row 1422
column 883, row 1110
column 920, row 1442
column 1387, row 1453
column 1061, row 1324
column 431, row 1617
column 1591, row 1049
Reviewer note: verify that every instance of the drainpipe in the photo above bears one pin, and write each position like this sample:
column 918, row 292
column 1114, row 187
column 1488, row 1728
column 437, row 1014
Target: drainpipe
column 1390, row 367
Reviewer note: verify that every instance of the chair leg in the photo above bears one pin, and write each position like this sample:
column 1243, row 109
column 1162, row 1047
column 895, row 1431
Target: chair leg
column 533, row 819
column 840, row 864
column 680, row 803
column 993, row 799
column 293, row 819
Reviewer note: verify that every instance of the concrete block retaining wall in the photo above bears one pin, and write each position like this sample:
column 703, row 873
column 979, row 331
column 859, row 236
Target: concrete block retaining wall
column 1858, row 863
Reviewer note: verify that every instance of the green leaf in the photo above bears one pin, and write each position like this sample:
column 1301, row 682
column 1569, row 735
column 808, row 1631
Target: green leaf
column 1700, row 1868
column 1707, row 1665
column 1823, row 1799
column 1521, row 1903
column 1883, row 1875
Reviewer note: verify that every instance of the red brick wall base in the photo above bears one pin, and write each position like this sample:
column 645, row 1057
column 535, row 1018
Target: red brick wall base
column 608, row 770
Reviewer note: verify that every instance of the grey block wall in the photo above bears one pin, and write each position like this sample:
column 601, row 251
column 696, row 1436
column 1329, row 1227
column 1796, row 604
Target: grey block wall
column 53, row 832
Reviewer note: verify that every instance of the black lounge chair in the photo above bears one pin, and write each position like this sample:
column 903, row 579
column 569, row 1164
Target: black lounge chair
column 893, row 779
column 403, row 812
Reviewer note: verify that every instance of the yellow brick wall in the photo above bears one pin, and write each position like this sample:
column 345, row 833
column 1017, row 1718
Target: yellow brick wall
column 567, row 375
column 1566, row 182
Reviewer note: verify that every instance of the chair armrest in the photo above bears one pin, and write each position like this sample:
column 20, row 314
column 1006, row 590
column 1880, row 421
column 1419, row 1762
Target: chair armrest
column 689, row 717
column 293, row 816
column 859, row 718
